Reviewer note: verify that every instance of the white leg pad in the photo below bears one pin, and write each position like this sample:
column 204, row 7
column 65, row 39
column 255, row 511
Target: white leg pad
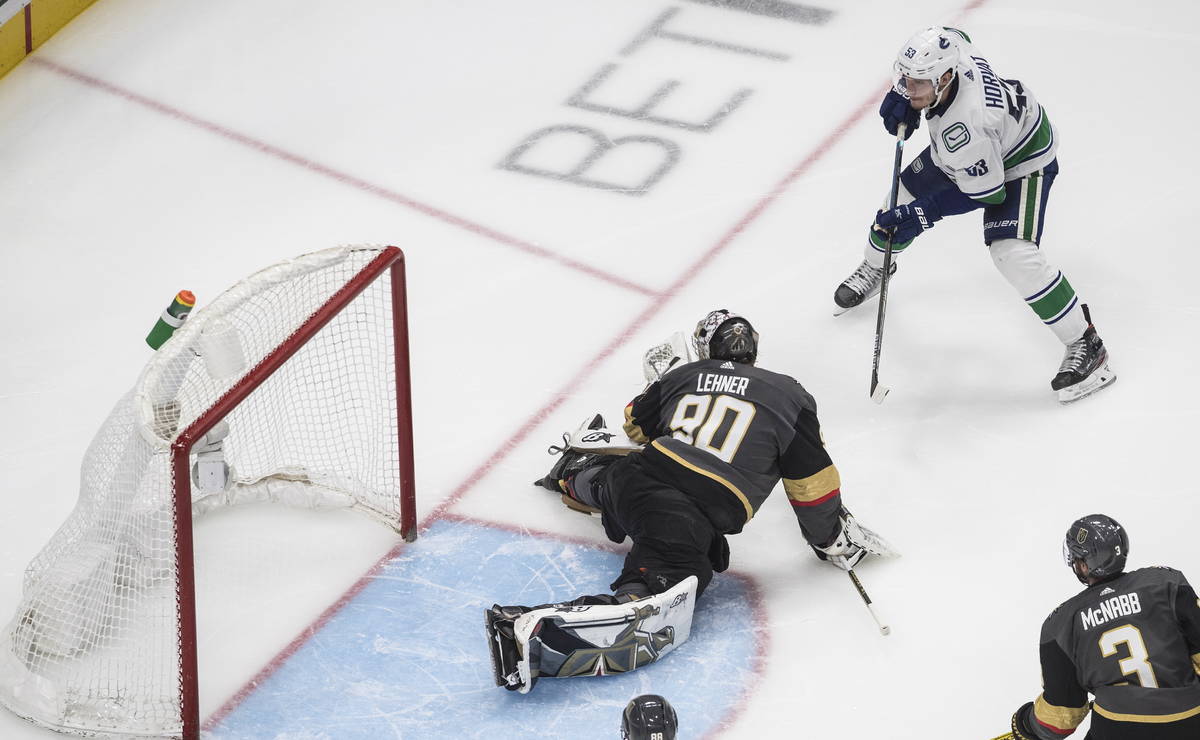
column 623, row 636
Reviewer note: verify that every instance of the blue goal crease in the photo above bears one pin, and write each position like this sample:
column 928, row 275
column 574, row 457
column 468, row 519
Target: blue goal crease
column 407, row 656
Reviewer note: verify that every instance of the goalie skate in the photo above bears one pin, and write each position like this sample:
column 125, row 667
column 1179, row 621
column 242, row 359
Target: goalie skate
column 506, row 659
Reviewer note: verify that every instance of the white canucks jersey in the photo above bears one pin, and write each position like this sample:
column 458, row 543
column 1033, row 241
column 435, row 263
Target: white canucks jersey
column 990, row 131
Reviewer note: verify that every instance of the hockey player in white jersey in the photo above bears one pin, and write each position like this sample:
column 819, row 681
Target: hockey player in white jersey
column 992, row 146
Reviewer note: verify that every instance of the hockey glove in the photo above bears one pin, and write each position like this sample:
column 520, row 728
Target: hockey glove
column 906, row 222
column 896, row 110
column 843, row 551
column 1021, row 719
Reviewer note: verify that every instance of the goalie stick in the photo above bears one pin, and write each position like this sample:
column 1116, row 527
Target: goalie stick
column 870, row 541
column 879, row 392
column 884, row 629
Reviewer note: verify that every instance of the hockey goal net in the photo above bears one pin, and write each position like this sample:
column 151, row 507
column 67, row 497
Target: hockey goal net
column 292, row 387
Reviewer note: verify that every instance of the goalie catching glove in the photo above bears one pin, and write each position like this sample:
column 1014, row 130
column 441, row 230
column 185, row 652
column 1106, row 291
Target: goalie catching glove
column 661, row 358
column 852, row 543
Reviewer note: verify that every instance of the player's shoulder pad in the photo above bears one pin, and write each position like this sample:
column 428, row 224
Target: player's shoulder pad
column 1054, row 613
column 1164, row 571
column 786, row 383
column 1064, row 611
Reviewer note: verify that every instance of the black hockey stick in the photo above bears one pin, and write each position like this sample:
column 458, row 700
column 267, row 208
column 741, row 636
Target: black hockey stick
column 879, row 392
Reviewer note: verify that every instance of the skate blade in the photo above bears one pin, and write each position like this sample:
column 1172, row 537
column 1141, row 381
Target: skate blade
column 1102, row 378
column 494, row 645
column 838, row 310
column 500, row 675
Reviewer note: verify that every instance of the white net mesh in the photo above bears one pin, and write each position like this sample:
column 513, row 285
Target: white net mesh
column 94, row 645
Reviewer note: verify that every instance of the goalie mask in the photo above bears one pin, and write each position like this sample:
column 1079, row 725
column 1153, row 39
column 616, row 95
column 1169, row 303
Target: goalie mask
column 723, row 335
column 927, row 56
column 1098, row 542
column 648, row 717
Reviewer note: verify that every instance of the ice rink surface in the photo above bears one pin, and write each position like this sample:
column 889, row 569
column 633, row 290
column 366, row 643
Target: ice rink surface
column 151, row 147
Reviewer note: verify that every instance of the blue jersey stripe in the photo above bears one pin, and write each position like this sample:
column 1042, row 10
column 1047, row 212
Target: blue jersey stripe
column 1043, row 291
column 984, row 193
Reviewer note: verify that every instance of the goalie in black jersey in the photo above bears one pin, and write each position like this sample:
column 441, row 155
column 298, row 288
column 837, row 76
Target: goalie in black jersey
column 708, row 440
column 1130, row 639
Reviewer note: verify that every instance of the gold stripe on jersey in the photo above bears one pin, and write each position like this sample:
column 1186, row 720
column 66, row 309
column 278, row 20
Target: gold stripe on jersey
column 815, row 486
column 633, row 431
column 1155, row 719
column 708, row 474
column 1196, row 663
column 1061, row 718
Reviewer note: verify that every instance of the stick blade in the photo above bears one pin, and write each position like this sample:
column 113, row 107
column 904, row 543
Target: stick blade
column 879, row 392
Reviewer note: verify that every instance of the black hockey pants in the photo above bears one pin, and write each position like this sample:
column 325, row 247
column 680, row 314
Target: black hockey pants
column 672, row 538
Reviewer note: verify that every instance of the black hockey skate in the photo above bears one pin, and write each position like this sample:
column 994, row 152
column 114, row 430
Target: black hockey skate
column 498, row 621
column 862, row 284
column 1084, row 369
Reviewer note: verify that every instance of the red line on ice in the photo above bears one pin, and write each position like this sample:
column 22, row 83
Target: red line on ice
column 762, row 636
column 342, row 177
column 442, row 510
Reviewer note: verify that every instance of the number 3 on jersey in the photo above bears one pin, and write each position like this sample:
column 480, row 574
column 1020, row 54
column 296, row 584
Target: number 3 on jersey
column 716, row 424
column 1139, row 658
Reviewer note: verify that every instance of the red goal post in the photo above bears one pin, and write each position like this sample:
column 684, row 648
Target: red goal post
column 294, row 385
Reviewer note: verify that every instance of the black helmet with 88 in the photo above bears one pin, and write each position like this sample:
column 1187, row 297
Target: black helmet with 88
column 649, row 717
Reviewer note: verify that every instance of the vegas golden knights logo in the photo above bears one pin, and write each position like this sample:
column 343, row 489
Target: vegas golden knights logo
column 1081, row 537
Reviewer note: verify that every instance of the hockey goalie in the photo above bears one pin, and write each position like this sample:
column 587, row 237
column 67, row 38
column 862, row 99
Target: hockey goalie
column 702, row 448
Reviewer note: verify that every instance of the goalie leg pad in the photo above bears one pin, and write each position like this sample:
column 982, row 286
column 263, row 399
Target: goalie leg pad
column 589, row 640
column 576, row 455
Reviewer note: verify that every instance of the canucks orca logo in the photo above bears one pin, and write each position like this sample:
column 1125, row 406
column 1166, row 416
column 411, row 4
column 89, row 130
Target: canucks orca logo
column 943, row 42
column 956, row 137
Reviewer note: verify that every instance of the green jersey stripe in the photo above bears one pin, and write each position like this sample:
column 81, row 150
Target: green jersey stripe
column 1053, row 302
column 1041, row 141
column 1031, row 186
